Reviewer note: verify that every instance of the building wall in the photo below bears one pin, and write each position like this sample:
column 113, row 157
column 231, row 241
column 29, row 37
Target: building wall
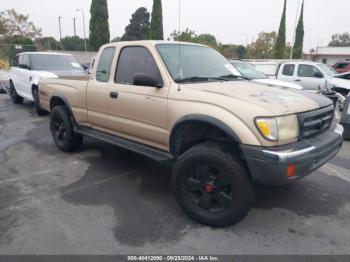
column 332, row 59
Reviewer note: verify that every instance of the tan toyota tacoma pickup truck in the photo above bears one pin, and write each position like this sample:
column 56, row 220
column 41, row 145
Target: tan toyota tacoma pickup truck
column 182, row 102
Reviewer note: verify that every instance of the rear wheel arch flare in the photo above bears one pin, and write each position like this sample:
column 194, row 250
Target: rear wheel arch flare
column 60, row 100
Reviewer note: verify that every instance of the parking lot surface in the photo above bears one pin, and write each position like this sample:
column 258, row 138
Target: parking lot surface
column 106, row 200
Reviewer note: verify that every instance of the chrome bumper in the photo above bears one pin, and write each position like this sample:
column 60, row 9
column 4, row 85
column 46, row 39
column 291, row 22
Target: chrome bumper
column 287, row 155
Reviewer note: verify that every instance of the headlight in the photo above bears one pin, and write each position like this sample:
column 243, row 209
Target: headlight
column 278, row 128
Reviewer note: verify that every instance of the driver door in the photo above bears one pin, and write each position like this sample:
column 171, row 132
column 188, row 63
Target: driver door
column 138, row 112
column 310, row 77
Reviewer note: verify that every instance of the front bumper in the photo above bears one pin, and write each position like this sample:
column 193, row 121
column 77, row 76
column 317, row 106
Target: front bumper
column 269, row 166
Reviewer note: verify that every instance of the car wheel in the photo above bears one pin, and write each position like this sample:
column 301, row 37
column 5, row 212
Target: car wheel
column 38, row 109
column 16, row 99
column 212, row 186
column 62, row 130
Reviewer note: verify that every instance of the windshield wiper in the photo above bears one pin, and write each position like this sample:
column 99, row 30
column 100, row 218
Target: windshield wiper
column 236, row 76
column 199, row 79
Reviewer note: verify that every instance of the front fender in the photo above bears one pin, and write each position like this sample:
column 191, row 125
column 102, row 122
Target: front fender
column 213, row 115
column 203, row 119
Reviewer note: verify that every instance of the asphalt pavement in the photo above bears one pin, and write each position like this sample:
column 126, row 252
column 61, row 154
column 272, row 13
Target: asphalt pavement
column 106, row 200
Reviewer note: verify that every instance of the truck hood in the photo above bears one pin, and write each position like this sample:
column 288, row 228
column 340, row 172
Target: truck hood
column 73, row 73
column 277, row 100
column 275, row 82
column 338, row 82
column 43, row 74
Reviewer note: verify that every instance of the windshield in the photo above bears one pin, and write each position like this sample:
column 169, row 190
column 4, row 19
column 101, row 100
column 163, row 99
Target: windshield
column 54, row 63
column 327, row 70
column 249, row 70
column 198, row 63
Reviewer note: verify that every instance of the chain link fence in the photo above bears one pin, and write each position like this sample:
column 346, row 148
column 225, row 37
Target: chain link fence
column 9, row 51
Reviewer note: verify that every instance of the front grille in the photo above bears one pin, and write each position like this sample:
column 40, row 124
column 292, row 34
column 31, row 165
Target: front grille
column 315, row 122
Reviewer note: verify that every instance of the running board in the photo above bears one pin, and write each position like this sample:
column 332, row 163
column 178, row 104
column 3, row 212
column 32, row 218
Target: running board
column 147, row 151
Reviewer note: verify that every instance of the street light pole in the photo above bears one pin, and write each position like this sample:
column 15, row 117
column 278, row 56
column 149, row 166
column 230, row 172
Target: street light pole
column 75, row 29
column 246, row 39
column 59, row 25
column 295, row 31
column 82, row 12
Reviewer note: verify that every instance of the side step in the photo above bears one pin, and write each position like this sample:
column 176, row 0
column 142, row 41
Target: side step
column 147, row 151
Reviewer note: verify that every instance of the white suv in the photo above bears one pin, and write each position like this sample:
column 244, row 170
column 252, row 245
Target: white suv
column 29, row 67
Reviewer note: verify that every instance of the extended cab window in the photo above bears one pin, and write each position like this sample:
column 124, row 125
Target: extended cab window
column 136, row 60
column 104, row 64
column 308, row 71
column 288, row 70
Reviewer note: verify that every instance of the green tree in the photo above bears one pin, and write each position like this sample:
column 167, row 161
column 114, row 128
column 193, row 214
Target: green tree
column 18, row 40
column 185, row 36
column 299, row 36
column 2, row 26
column 116, row 39
column 15, row 24
column 232, row 51
column 228, row 51
column 340, row 40
column 191, row 36
column 280, row 46
column 207, row 39
column 73, row 43
column 139, row 26
column 263, row 47
column 156, row 32
column 99, row 25
column 241, row 51
column 47, row 43
column 18, row 44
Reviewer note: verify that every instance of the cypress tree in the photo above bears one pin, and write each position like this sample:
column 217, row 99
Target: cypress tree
column 99, row 26
column 157, row 21
column 280, row 46
column 138, row 29
column 299, row 36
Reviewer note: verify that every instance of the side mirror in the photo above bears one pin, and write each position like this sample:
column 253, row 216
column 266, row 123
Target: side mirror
column 318, row 75
column 141, row 79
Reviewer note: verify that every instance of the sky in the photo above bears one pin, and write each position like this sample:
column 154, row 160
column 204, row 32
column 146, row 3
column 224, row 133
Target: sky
column 231, row 21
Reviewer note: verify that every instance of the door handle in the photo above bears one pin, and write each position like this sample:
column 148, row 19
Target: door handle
column 298, row 80
column 113, row 95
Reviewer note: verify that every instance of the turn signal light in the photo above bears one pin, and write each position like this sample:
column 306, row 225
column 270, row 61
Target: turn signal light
column 291, row 170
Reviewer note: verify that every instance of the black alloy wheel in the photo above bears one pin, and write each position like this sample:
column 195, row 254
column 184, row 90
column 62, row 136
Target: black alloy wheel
column 209, row 188
column 212, row 185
